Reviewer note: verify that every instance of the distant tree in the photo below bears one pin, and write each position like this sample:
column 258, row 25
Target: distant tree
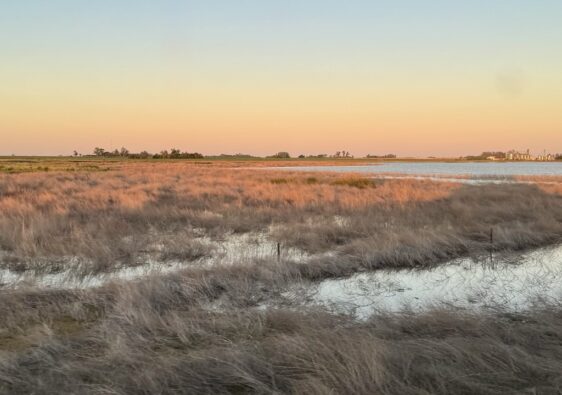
column 558, row 157
column 193, row 155
column 75, row 153
column 282, row 155
column 140, row 155
column 125, row 153
column 301, row 156
column 175, row 153
column 342, row 154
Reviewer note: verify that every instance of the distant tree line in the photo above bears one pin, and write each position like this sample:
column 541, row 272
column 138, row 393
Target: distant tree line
column 342, row 154
column 236, row 156
column 558, row 157
column 486, row 155
column 337, row 155
column 280, row 155
column 387, row 156
column 174, row 153
column 317, row 156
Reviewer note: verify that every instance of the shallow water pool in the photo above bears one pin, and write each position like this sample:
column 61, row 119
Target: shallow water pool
column 514, row 282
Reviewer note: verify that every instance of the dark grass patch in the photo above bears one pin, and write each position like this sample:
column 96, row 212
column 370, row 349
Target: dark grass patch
column 355, row 182
column 278, row 181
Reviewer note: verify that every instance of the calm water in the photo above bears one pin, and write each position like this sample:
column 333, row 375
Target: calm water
column 474, row 169
column 513, row 283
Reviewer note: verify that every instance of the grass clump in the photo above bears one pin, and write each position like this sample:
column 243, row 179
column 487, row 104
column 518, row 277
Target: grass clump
column 355, row 182
column 311, row 180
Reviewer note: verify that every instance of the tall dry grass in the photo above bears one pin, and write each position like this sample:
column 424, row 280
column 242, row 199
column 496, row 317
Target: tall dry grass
column 169, row 335
column 110, row 217
column 117, row 217
column 203, row 330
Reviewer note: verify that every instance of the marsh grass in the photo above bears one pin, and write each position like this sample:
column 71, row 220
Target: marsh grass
column 204, row 329
column 161, row 336
column 42, row 165
column 111, row 219
column 356, row 182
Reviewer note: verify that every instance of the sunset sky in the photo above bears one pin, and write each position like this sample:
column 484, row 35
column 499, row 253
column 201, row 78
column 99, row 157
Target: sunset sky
column 420, row 78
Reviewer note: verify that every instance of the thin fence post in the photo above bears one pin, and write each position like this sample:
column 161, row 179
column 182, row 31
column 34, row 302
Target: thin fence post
column 492, row 246
column 278, row 251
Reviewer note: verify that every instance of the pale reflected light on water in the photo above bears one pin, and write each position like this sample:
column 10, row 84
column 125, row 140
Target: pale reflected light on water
column 511, row 283
column 229, row 250
column 486, row 171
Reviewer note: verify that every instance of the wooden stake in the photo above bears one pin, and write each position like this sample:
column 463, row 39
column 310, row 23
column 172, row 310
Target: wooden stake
column 492, row 246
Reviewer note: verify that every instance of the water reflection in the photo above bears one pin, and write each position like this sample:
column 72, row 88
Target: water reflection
column 511, row 283
column 476, row 170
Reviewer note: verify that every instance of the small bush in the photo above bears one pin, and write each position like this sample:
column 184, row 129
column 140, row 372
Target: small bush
column 356, row 182
column 279, row 181
column 312, row 180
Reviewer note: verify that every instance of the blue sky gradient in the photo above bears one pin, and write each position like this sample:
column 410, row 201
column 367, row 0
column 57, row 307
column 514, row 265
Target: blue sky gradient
column 267, row 67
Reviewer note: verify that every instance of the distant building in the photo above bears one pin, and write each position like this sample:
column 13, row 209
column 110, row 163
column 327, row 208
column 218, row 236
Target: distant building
column 515, row 155
column 545, row 157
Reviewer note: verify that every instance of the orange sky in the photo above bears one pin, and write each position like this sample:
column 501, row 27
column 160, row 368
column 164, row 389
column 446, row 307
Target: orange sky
column 201, row 79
